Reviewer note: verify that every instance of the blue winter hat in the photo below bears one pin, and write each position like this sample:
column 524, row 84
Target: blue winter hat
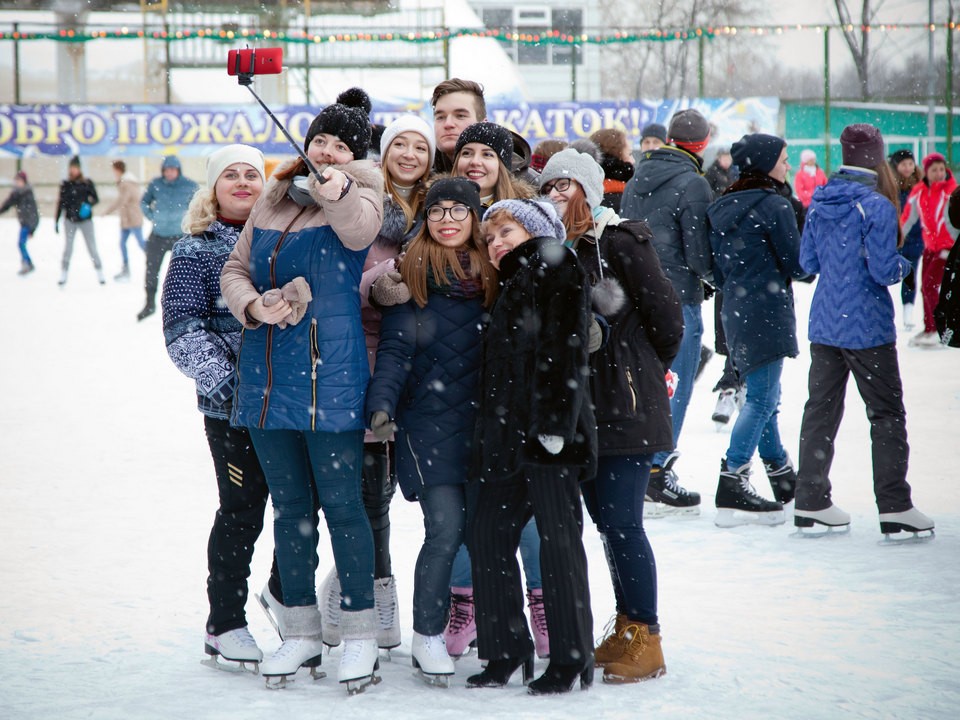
column 538, row 217
column 757, row 152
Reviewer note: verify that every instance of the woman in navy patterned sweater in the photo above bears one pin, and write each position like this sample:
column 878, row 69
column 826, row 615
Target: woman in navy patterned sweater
column 202, row 339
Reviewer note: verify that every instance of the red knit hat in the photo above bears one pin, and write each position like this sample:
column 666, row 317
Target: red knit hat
column 932, row 158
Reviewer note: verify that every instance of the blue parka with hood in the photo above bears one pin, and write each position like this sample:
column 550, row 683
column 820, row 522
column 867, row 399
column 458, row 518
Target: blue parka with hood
column 850, row 241
column 165, row 202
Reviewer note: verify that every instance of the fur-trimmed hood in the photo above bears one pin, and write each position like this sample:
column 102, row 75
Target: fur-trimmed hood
column 363, row 172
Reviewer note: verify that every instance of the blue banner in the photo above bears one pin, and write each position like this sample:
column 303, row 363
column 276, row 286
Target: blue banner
column 190, row 130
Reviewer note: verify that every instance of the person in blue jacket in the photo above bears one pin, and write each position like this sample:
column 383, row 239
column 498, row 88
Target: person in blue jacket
column 426, row 379
column 164, row 203
column 756, row 248
column 850, row 240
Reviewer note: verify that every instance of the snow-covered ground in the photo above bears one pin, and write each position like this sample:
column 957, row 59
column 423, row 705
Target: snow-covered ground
column 107, row 496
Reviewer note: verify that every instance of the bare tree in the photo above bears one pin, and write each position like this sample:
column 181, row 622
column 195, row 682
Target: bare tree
column 857, row 38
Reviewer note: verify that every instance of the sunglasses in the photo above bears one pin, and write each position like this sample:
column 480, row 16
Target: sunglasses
column 457, row 212
column 561, row 185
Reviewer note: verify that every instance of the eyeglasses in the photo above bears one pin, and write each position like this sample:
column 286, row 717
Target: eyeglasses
column 561, row 185
column 457, row 212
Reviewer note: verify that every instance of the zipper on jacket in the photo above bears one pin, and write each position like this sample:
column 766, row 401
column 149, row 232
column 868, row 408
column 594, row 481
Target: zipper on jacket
column 416, row 461
column 314, row 361
column 273, row 284
column 633, row 390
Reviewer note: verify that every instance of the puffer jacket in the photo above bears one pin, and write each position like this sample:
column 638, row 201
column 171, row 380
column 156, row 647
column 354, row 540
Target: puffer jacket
column 312, row 375
column 73, row 194
column 426, row 378
column 535, row 366
column 668, row 192
column 928, row 204
column 165, row 203
column 25, row 202
column 850, row 241
column 201, row 335
column 756, row 252
column 127, row 202
column 646, row 327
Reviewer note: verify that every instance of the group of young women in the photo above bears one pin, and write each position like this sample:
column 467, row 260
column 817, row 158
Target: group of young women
column 505, row 355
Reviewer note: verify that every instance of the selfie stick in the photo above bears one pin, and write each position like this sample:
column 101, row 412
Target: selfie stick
column 246, row 79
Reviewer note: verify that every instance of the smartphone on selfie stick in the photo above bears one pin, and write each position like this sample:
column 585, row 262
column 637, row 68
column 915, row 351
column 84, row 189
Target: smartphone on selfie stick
column 266, row 61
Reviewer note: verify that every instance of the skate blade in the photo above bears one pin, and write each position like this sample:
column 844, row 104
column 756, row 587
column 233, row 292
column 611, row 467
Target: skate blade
column 615, row 679
column 359, row 685
column 265, row 606
column 471, row 650
column 652, row 510
column 730, row 518
column 231, row 666
column 433, row 680
column 915, row 538
column 823, row 531
column 689, row 511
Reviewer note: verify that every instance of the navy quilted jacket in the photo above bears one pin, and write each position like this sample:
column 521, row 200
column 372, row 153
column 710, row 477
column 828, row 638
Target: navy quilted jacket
column 427, row 379
column 850, row 241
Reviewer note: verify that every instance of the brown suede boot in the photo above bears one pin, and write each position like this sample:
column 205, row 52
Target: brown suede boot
column 611, row 647
column 642, row 657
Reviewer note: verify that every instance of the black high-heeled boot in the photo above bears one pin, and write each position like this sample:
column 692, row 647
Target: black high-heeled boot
column 560, row 678
column 497, row 672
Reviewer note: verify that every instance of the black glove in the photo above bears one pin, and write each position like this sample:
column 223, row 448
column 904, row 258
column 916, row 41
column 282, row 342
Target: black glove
column 708, row 290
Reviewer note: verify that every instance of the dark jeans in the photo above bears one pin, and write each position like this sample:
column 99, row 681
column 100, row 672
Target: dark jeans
column 552, row 495
column 908, row 287
column 157, row 247
column 877, row 374
column 615, row 503
column 444, row 519
column 306, row 470
column 379, row 486
column 236, row 526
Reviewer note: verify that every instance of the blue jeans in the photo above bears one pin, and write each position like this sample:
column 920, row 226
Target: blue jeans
column 685, row 366
column 306, row 471
column 615, row 503
column 444, row 521
column 137, row 232
column 529, row 556
column 756, row 426
column 22, row 244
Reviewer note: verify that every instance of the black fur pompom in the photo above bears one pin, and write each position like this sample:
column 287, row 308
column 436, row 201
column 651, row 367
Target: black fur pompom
column 357, row 98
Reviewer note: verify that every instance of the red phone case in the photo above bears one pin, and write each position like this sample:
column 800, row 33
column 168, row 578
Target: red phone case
column 255, row 61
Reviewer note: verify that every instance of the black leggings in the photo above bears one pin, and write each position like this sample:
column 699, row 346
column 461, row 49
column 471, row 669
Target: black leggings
column 379, row 485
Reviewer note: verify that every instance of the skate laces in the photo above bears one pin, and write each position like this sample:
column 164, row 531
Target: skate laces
column 242, row 637
column 386, row 605
column 670, row 480
column 747, row 486
column 461, row 612
column 289, row 647
column 538, row 613
column 353, row 650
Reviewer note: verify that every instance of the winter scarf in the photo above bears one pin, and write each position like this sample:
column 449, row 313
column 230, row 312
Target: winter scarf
column 465, row 288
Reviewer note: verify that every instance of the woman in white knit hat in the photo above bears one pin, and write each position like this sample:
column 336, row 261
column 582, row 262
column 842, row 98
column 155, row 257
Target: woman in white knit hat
column 629, row 396
column 202, row 340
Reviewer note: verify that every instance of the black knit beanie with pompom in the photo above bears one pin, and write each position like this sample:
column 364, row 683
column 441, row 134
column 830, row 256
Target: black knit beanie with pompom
column 348, row 119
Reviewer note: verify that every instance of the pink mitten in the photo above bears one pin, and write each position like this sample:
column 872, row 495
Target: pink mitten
column 297, row 293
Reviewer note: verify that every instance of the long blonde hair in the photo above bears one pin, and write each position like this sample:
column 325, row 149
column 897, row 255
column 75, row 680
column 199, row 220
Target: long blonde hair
column 202, row 211
column 410, row 206
column 423, row 254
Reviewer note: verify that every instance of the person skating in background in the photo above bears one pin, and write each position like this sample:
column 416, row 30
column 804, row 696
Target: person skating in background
column 630, row 399
column 721, row 174
column 947, row 314
column 756, row 247
column 670, row 194
column 77, row 197
column 850, row 240
column 406, row 150
column 653, row 137
column 21, row 197
column 808, row 178
column 202, row 340
column 927, row 203
column 127, row 205
column 426, row 381
column 617, row 163
column 538, row 443
column 907, row 175
column 292, row 281
column 164, row 203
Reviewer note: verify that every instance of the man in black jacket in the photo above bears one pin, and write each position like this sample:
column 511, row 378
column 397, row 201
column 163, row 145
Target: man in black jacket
column 669, row 192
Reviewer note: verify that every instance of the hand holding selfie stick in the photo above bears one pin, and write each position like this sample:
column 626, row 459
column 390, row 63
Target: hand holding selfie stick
column 244, row 64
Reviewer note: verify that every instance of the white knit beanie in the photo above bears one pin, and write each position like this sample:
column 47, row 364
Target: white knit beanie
column 221, row 159
column 408, row 123
column 569, row 163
